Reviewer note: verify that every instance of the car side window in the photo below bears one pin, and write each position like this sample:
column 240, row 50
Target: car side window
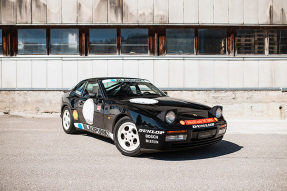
column 79, row 90
column 92, row 88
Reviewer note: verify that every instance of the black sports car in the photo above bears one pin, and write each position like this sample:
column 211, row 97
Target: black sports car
column 138, row 116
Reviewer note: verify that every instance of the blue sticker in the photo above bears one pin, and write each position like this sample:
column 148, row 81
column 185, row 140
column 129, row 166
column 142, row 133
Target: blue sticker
column 113, row 80
column 80, row 126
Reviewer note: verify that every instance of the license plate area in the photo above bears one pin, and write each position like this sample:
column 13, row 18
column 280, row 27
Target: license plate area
column 206, row 134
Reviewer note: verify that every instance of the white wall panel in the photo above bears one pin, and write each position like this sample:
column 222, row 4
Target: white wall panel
column 85, row 11
column 251, row 12
column 54, row 11
column 161, row 73
column 176, row 74
column 175, row 11
column 251, row 74
column 190, row 11
column 160, row 11
column 285, row 12
column 130, row 11
column 39, row 11
column 0, row 74
column 115, row 68
column 69, row 11
column 100, row 68
column 8, row 12
column 100, row 11
column 265, row 74
column 114, row 11
column 54, row 74
column 206, row 73
column 278, row 13
column 191, row 77
column 24, row 74
column 145, row 11
column 205, row 11
column 221, row 11
column 70, row 74
column 131, row 68
column 236, row 73
column 221, row 71
column 24, row 12
column 9, row 74
column 280, row 79
column 85, row 69
column 236, row 12
column 264, row 11
column 146, row 69
column 39, row 74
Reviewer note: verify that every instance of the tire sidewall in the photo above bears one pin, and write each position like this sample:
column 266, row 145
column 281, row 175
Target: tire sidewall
column 137, row 151
column 71, row 128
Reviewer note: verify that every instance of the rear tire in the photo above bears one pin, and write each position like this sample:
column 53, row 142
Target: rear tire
column 67, row 121
column 126, row 137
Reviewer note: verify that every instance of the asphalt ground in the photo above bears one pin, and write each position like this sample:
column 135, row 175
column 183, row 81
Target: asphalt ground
column 36, row 154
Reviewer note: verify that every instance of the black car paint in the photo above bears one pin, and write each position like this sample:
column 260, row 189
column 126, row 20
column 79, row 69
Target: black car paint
column 147, row 117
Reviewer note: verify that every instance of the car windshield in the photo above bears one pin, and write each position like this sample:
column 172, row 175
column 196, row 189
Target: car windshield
column 131, row 88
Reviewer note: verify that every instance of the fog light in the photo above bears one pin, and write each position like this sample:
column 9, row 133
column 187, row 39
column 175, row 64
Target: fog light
column 221, row 131
column 175, row 137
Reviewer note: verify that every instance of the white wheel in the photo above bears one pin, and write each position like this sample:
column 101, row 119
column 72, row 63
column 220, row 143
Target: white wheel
column 66, row 120
column 128, row 136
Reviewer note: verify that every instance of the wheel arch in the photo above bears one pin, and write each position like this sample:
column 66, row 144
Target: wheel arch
column 117, row 119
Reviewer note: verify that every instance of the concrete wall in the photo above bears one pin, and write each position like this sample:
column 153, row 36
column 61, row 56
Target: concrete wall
column 164, row 72
column 228, row 12
column 236, row 104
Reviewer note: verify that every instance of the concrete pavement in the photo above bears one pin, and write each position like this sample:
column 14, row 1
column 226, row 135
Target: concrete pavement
column 35, row 154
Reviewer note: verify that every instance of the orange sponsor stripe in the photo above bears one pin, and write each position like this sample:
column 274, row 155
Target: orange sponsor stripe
column 199, row 121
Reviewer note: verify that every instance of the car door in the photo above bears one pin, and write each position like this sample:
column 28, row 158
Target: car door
column 90, row 107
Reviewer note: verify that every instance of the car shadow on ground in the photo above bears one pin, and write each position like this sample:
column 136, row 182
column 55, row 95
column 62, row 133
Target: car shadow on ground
column 219, row 149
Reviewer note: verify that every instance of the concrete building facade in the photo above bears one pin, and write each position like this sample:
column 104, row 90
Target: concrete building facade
column 232, row 53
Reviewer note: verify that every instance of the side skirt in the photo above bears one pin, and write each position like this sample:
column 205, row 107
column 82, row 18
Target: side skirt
column 95, row 130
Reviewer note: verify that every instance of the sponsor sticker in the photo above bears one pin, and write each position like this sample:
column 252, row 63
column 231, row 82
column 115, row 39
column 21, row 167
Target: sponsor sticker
column 199, row 121
column 203, row 125
column 151, row 141
column 148, row 136
column 151, row 131
column 99, row 108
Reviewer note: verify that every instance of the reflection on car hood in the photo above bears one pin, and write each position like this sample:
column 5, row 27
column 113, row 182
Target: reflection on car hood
column 185, row 109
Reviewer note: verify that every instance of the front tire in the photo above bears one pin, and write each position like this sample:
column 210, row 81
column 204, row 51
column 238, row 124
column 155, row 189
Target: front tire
column 126, row 137
column 67, row 121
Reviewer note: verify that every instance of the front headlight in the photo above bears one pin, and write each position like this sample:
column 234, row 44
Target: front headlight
column 170, row 117
column 218, row 113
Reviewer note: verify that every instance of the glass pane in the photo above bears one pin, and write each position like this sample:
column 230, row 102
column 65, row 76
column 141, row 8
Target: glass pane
column 32, row 41
column 250, row 42
column 278, row 42
column 0, row 41
column 64, row 41
column 180, row 41
column 134, row 41
column 212, row 41
column 103, row 41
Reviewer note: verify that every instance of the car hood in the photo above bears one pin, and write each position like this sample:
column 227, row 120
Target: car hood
column 158, row 106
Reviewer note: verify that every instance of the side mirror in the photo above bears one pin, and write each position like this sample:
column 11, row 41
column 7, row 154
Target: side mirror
column 165, row 93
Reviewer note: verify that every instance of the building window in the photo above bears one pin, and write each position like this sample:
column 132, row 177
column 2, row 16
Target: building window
column 64, row 41
column 212, row 41
column 1, row 46
column 179, row 41
column 250, row 42
column 32, row 41
column 103, row 41
column 278, row 42
column 134, row 41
